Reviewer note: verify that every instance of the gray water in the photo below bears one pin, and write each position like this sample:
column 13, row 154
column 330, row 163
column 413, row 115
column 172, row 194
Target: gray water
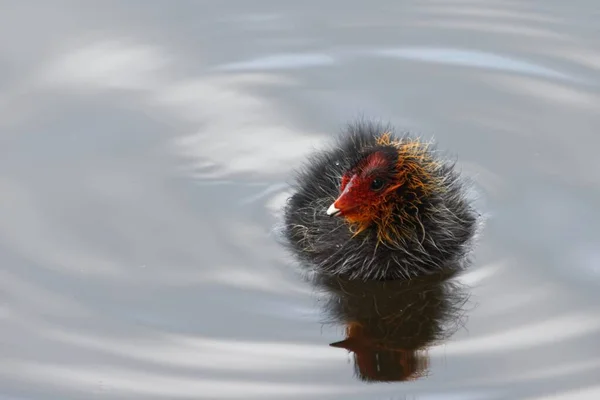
column 145, row 148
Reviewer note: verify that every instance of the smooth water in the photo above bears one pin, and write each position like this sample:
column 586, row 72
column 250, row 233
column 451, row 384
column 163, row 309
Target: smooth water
column 145, row 148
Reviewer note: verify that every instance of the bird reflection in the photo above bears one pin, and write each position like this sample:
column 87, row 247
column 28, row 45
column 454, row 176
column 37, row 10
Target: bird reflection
column 390, row 324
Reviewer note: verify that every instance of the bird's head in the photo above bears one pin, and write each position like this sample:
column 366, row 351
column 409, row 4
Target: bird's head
column 386, row 186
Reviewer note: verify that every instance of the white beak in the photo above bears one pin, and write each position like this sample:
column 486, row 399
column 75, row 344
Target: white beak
column 331, row 211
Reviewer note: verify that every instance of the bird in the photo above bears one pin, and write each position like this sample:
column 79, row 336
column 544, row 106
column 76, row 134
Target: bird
column 380, row 205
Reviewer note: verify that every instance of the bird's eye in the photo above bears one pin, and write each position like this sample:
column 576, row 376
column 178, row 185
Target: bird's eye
column 377, row 184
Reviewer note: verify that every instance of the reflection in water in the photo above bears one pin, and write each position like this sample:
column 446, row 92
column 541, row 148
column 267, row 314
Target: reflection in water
column 390, row 324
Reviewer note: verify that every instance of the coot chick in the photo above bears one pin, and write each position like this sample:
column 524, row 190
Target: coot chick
column 380, row 205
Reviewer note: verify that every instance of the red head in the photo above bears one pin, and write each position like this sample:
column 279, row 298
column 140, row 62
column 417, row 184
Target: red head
column 367, row 190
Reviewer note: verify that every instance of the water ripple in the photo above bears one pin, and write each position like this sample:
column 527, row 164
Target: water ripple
column 470, row 58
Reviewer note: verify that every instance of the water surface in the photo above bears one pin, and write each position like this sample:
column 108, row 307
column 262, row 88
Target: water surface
column 145, row 148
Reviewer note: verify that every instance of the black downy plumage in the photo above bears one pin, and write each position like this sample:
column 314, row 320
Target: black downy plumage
column 429, row 223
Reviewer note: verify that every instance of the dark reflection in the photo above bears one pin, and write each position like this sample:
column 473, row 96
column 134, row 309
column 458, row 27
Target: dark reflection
column 390, row 324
